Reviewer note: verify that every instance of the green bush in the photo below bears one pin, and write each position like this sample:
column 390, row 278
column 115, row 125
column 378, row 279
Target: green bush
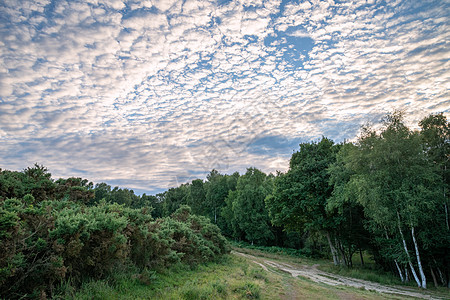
column 248, row 290
column 46, row 243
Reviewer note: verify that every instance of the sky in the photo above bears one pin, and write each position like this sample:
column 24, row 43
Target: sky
column 151, row 94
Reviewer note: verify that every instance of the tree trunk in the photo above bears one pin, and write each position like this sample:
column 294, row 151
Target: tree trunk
column 447, row 278
column 406, row 273
column 350, row 257
column 361, row 256
column 445, row 202
column 441, row 275
column 413, row 271
column 434, row 277
column 399, row 271
column 338, row 245
column 333, row 250
column 422, row 274
column 446, row 215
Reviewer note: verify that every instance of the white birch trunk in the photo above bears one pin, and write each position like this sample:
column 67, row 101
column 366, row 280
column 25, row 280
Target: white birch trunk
column 333, row 250
column 441, row 276
column 413, row 271
column 338, row 245
column 434, row 277
column 422, row 274
column 399, row 271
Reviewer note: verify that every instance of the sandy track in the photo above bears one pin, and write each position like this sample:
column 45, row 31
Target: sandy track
column 316, row 275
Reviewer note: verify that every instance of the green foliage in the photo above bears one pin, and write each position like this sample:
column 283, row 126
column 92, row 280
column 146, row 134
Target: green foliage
column 305, row 252
column 197, row 197
column 248, row 290
column 217, row 188
column 35, row 181
column 46, row 242
column 300, row 196
column 249, row 212
column 396, row 177
column 75, row 189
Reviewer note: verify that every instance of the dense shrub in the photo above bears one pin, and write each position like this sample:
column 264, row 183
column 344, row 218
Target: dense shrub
column 46, row 243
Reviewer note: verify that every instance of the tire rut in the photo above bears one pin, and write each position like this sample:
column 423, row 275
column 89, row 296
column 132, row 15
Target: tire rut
column 318, row 276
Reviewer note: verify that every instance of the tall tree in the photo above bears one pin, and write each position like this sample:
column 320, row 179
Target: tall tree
column 395, row 183
column 197, row 197
column 350, row 216
column 216, row 192
column 436, row 136
column 173, row 198
column 249, row 207
column 435, row 132
column 38, row 182
column 300, row 196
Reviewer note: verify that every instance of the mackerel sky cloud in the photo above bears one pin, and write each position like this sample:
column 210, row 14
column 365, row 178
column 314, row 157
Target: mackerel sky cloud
column 150, row 94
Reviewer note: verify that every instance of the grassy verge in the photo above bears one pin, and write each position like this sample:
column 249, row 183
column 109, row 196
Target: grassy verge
column 385, row 278
column 272, row 249
column 365, row 273
column 229, row 278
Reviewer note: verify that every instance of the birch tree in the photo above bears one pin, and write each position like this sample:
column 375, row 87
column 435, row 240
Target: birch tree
column 435, row 132
column 396, row 184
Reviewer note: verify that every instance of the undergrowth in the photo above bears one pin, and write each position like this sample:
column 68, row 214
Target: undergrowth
column 228, row 277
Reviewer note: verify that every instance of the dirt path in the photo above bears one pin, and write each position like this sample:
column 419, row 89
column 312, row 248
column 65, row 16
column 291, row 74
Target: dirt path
column 316, row 275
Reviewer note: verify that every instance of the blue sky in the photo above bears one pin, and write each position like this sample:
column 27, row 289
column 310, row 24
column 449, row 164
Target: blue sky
column 151, row 94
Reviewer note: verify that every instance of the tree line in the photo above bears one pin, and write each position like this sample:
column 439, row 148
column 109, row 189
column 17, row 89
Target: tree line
column 386, row 193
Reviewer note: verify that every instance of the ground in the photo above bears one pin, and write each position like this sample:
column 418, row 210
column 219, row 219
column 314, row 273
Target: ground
column 305, row 270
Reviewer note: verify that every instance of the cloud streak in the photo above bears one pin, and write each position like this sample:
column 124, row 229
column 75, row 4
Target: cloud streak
column 151, row 93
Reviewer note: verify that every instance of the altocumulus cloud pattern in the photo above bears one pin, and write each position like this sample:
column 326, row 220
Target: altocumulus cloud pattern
column 149, row 94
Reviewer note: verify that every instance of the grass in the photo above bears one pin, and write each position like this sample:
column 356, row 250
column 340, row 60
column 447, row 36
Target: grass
column 371, row 273
column 231, row 277
column 272, row 249
column 365, row 273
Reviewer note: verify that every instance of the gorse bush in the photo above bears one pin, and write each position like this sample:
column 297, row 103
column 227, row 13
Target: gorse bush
column 45, row 243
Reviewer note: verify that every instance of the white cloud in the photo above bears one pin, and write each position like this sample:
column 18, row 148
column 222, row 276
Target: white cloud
column 158, row 89
column 164, row 5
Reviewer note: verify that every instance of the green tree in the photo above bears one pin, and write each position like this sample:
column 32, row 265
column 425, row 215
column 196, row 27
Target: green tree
column 216, row 192
column 395, row 183
column 435, row 132
column 11, row 184
column 436, row 136
column 173, row 198
column 249, row 208
column 351, row 232
column 300, row 196
column 151, row 201
column 102, row 191
column 197, row 197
